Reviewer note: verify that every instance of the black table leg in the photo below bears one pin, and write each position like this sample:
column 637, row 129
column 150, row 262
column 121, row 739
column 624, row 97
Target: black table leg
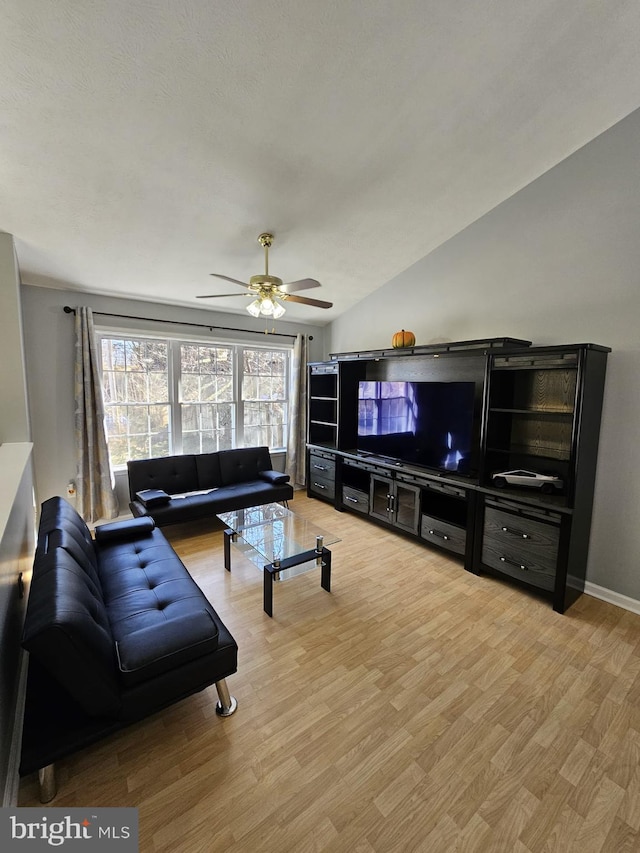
column 325, row 575
column 229, row 537
column 267, row 586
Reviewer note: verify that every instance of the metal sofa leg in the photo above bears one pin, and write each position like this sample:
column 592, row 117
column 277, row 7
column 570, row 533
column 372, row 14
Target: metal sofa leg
column 47, row 781
column 226, row 706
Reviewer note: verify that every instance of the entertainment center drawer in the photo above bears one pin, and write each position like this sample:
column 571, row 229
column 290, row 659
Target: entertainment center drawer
column 321, row 466
column 322, row 486
column 521, row 547
column 445, row 535
column 355, row 499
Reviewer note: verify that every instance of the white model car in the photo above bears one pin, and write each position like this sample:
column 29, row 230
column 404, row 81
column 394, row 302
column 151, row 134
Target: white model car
column 545, row 482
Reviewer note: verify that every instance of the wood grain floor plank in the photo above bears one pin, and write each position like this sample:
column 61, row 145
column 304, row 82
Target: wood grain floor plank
column 415, row 708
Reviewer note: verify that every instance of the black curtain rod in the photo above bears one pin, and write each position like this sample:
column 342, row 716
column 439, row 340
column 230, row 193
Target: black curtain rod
column 68, row 310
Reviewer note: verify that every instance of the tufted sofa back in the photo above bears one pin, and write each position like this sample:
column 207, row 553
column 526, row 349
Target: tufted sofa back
column 67, row 628
column 189, row 473
column 173, row 474
column 243, row 464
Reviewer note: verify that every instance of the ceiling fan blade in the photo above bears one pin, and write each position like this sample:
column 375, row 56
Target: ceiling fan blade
column 301, row 284
column 317, row 303
column 221, row 295
column 232, row 280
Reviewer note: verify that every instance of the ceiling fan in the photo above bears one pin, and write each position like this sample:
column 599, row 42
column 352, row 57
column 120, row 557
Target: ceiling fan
column 269, row 291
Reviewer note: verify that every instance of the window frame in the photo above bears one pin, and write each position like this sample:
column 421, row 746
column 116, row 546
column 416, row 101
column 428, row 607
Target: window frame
column 174, row 380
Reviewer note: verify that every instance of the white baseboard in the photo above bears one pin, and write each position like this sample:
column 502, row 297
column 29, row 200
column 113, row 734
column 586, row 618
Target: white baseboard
column 608, row 595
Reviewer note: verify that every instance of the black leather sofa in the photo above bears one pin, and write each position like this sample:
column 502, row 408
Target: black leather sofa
column 173, row 489
column 116, row 629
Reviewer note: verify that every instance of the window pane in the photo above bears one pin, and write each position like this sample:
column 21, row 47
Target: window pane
column 160, row 445
column 250, row 388
column 137, row 388
column 189, row 418
column 134, row 354
column 189, row 358
column 138, row 419
column 156, row 356
column 190, row 387
column 139, row 447
column 191, row 442
column 159, row 419
column 118, row 451
column 113, row 386
column 158, row 386
column 208, row 388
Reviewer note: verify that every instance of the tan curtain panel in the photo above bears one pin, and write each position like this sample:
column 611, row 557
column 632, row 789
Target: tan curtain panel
column 297, row 438
column 94, row 486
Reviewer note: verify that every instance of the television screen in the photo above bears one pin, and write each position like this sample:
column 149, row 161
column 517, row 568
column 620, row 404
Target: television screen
column 430, row 424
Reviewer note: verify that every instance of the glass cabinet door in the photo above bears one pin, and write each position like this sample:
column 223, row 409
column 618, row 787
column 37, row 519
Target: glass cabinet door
column 406, row 507
column 381, row 497
column 397, row 503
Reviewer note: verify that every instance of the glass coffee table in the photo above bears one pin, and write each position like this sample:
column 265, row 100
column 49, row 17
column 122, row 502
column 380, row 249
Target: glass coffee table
column 287, row 542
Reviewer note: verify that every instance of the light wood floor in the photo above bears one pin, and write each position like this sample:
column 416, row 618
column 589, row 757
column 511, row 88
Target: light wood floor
column 415, row 708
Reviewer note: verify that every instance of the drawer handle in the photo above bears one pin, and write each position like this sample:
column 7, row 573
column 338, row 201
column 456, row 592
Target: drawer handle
column 351, row 500
column 517, row 533
column 319, row 486
column 514, row 563
column 441, row 535
column 320, row 467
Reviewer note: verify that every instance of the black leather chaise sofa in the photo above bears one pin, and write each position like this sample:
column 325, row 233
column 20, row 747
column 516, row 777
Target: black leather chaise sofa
column 173, row 489
column 116, row 629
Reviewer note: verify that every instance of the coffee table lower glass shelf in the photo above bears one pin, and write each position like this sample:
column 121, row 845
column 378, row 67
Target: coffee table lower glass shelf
column 287, row 542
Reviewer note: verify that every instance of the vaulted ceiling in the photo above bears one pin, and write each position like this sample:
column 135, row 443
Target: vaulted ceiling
column 147, row 143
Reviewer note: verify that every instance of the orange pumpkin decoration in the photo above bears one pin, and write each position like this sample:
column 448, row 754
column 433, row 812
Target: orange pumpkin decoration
column 403, row 339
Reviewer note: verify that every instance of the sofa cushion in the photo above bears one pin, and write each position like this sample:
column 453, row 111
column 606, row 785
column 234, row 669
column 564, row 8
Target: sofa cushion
column 188, row 507
column 243, row 464
column 171, row 643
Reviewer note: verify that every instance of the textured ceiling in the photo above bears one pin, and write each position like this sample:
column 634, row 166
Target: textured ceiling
column 146, row 144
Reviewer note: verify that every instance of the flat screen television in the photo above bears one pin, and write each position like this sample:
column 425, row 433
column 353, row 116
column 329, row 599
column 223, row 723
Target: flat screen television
column 429, row 424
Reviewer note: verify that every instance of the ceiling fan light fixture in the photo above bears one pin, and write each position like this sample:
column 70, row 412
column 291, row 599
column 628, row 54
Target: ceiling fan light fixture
column 266, row 306
column 278, row 309
column 254, row 308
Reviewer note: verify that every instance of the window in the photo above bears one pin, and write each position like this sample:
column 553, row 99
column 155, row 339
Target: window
column 207, row 398
column 166, row 396
column 264, row 397
column 135, row 388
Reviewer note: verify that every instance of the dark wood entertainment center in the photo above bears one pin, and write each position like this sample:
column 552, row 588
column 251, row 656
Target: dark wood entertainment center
column 537, row 408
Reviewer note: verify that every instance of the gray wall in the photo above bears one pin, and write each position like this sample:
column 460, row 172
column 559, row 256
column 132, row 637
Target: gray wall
column 49, row 346
column 559, row 262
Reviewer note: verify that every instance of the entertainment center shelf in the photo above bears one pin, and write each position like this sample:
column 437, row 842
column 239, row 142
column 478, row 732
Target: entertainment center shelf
column 445, row 419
